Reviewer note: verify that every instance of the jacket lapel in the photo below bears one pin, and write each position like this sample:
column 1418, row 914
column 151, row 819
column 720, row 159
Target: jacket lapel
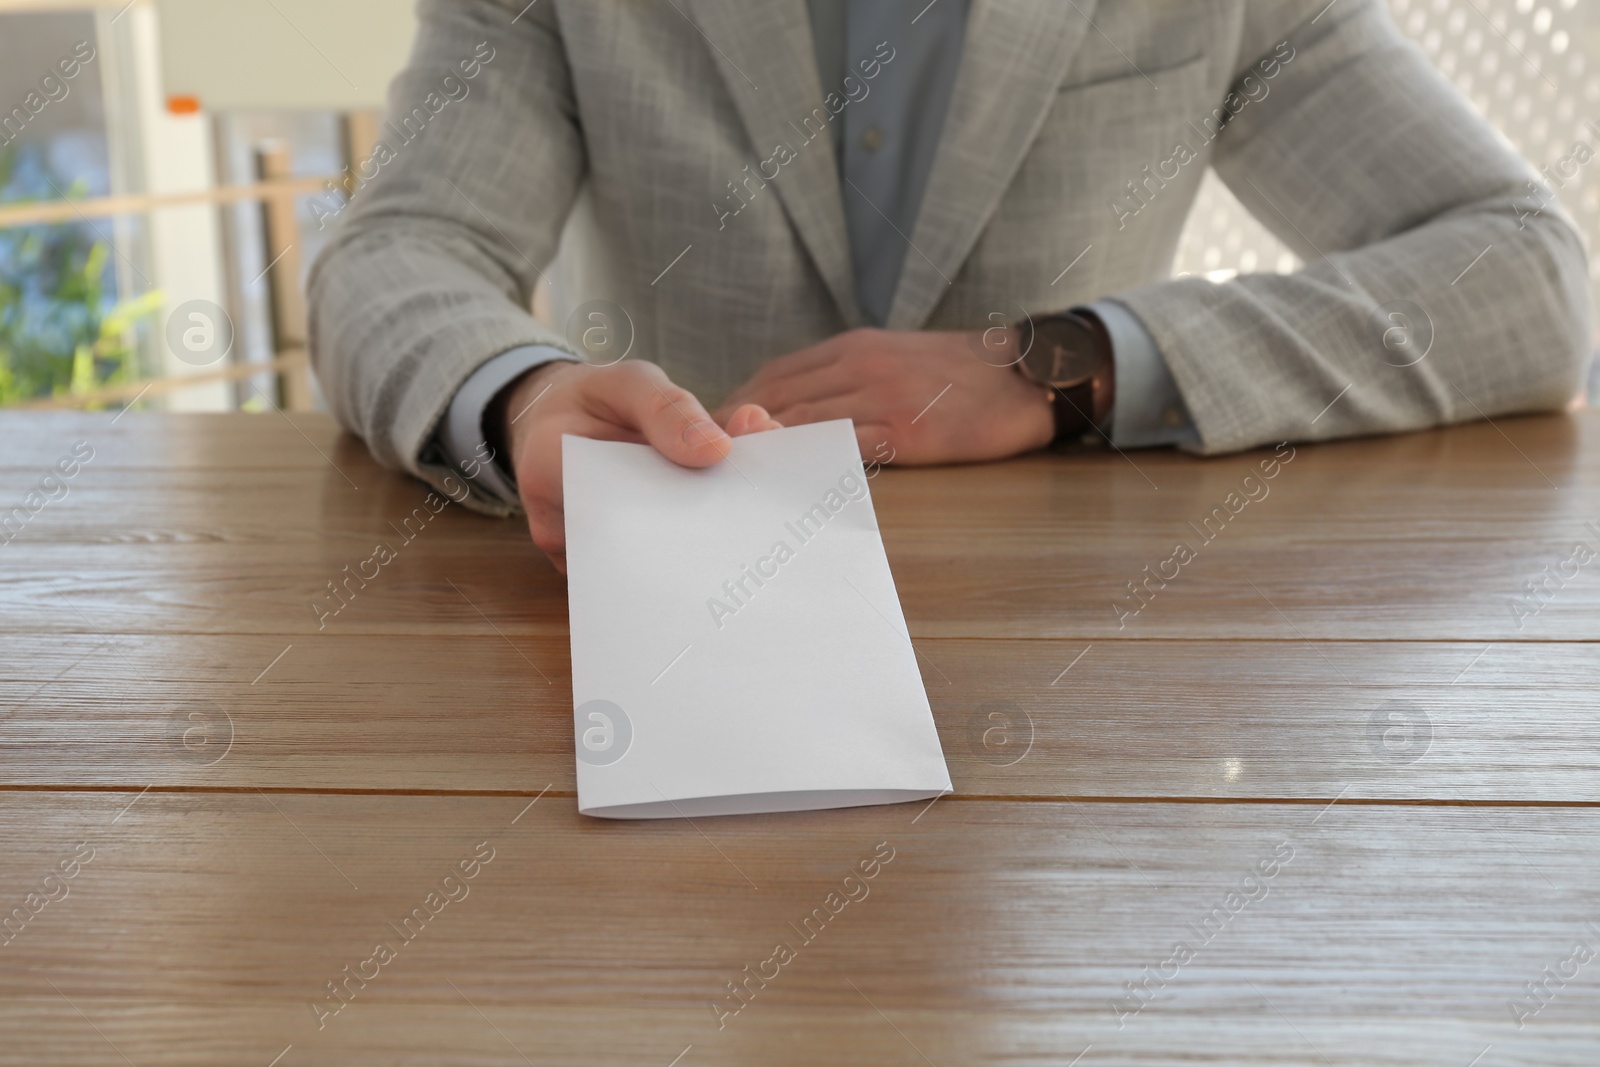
column 1014, row 58
column 763, row 49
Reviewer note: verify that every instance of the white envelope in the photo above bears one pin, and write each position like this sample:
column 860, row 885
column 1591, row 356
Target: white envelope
column 737, row 641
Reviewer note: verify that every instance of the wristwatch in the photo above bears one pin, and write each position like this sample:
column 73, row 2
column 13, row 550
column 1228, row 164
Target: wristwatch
column 1070, row 354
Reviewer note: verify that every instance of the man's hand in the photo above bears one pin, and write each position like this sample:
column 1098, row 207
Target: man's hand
column 631, row 401
column 928, row 394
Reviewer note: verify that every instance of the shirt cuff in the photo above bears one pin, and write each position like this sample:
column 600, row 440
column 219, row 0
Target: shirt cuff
column 1149, row 410
column 460, row 438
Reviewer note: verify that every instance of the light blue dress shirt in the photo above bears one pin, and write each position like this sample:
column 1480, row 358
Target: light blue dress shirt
column 885, row 147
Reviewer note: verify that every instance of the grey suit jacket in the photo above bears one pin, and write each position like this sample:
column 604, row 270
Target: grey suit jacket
column 1066, row 143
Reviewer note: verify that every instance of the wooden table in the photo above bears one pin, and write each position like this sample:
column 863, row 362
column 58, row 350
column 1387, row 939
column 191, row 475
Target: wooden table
column 1329, row 758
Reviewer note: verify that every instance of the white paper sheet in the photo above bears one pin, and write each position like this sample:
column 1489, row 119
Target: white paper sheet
column 737, row 641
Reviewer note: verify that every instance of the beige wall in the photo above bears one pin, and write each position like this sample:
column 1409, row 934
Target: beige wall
column 249, row 54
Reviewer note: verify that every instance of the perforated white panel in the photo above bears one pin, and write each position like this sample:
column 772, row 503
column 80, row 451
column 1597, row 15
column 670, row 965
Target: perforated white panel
column 1526, row 66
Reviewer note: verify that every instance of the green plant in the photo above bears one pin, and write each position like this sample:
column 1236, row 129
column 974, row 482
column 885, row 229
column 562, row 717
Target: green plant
column 62, row 330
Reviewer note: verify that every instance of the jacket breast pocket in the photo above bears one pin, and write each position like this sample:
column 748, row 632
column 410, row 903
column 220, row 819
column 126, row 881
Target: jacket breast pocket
column 1113, row 147
column 1138, row 94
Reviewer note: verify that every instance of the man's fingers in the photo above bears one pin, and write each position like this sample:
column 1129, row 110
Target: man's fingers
column 857, row 406
column 670, row 418
column 750, row 418
column 804, row 361
column 780, row 371
column 819, row 386
column 681, row 430
column 873, row 440
column 549, row 531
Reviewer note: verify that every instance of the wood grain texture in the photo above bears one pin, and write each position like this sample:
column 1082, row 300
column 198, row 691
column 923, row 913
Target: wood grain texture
column 1422, row 537
column 1338, row 672
column 1246, row 719
column 206, row 926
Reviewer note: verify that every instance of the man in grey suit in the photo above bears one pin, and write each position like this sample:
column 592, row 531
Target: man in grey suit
column 952, row 222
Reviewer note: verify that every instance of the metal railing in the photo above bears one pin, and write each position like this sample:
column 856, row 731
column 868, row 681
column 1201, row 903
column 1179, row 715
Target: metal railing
column 276, row 192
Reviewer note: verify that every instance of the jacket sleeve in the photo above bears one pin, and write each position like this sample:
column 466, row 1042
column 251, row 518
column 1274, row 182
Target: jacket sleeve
column 1440, row 285
column 432, row 268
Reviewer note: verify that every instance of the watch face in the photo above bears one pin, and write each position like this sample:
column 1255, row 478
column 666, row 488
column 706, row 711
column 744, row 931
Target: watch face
column 1064, row 351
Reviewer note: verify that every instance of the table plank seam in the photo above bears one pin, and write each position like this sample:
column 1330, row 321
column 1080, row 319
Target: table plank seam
column 985, row 798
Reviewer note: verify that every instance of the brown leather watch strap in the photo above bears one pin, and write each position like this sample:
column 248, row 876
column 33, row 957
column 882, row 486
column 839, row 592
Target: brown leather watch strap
column 1078, row 370
column 1074, row 407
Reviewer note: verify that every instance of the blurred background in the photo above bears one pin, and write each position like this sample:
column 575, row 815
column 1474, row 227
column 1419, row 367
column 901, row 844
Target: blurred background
column 170, row 168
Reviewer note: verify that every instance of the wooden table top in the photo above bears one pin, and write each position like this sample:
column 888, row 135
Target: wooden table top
column 1328, row 797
